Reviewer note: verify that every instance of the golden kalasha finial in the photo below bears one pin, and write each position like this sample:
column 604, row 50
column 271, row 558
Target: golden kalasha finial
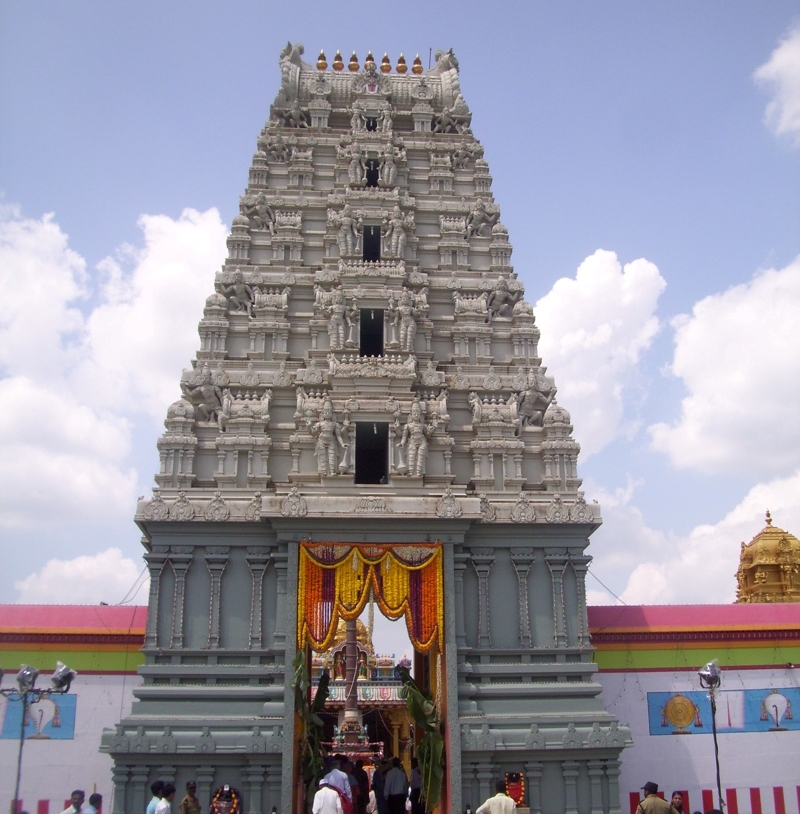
column 338, row 62
column 322, row 63
column 401, row 65
column 370, row 60
column 353, row 64
column 417, row 68
column 386, row 66
column 769, row 518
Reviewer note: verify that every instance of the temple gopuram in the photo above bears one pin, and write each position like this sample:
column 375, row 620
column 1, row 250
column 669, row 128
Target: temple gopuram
column 769, row 567
column 367, row 420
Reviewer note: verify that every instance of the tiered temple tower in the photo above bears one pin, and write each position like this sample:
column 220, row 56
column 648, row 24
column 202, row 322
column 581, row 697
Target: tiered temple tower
column 368, row 375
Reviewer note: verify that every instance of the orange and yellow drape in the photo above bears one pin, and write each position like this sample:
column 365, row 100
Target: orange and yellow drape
column 335, row 580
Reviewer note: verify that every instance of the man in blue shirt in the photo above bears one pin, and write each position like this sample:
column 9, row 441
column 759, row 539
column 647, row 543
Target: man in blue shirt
column 156, row 788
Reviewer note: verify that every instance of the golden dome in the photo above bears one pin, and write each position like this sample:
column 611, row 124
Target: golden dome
column 769, row 567
column 362, row 636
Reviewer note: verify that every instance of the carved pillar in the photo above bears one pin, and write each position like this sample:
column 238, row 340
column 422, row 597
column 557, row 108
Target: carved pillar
column 257, row 562
column 482, row 561
column 180, row 557
column 556, row 560
column 612, row 773
column 290, row 562
column 155, row 564
column 522, row 558
column 280, row 560
column 395, row 739
column 581, row 565
column 595, row 768
column 273, row 787
column 167, row 774
column 138, row 783
column 459, row 566
column 533, row 771
column 216, row 560
column 450, row 677
column 569, row 769
column 485, row 776
column 253, row 778
column 204, row 777
column 119, row 777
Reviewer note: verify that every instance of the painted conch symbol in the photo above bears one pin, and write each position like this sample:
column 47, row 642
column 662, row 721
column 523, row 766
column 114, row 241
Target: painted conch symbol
column 775, row 706
column 41, row 713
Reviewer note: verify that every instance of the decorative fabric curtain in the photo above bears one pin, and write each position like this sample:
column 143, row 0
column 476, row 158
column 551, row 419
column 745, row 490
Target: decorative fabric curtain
column 335, row 581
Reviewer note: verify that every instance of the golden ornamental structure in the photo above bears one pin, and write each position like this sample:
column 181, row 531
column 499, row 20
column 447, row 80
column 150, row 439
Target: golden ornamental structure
column 769, row 567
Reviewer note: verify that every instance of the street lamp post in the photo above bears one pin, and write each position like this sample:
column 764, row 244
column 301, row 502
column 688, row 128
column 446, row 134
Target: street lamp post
column 710, row 678
column 28, row 693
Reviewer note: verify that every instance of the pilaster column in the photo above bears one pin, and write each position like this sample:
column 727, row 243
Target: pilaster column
column 257, row 562
column 556, row 561
column 167, row 774
column 180, row 556
column 459, row 566
column 612, row 767
column 138, row 783
column 119, row 777
column 581, row 566
column 253, row 777
column 155, row 565
column 274, row 787
column 482, row 561
column 280, row 560
column 204, row 777
column 595, row 768
column 522, row 558
column 395, row 738
column 216, row 558
column 533, row 777
column 569, row 769
column 485, row 776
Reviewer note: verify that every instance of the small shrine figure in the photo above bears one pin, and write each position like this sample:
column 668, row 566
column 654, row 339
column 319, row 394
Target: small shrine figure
column 337, row 313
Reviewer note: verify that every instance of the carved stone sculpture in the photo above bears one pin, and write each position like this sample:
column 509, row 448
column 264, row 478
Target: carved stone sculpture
column 501, row 301
column 239, row 294
column 347, row 235
column 414, row 442
column 337, row 312
column 479, row 221
column 532, row 406
column 205, row 396
column 395, row 234
column 407, row 314
column 295, row 116
column 327, row 432
column 356, row 169
column 256, row 209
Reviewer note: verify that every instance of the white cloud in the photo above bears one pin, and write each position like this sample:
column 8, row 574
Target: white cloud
column 781, row 74
column 103, row 577
column 72, row 380
column 701, row 567
column 739, row 358
column 594, row 330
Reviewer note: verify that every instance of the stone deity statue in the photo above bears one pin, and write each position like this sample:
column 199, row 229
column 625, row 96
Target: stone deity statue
column 328, row 432
column 387, row 168
column 356, row 169
column 479, row 221
column 395, row 235
column 407, row 317
column 239, row 294
column 336, row 312
column 501, row 301
column 205, row 396
column 352, row 314
column 414, row 442
column 347, row 236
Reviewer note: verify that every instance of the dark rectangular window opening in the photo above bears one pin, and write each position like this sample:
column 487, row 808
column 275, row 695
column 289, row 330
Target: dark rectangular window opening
column 371, row 123
column 373, row 172
column 371, row 332
column 372, row 452
column 372, row 244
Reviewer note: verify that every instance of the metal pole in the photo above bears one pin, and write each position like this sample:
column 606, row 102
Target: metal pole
column 24, row 700
column 716, row 747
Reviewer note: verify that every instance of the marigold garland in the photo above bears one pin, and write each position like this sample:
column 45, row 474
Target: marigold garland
column 335, row 580
column 235, row 797
column 512, row 778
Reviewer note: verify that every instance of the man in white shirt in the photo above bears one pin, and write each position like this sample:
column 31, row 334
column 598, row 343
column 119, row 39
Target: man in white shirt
column 501, row 803
column 395, row 788
column 76, row 801
column 165, row 803
column 326, row 800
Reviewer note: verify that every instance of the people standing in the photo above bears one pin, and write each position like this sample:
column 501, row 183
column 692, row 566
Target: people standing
column 190, row 804
column 395, row 788
column 362, row 778
column 677, row 801
column 165, row 803
column 501, row 803
column 338, row 780
column 326, row 800
column 76, row 802
column 155, row 789
column 95, row 804
column 415, row 781
column 652, row 803
column 378, row 782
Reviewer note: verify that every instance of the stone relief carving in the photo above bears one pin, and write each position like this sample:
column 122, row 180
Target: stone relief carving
column 523, row 511
column 447, row 505
column 459, row 381
column 395, row 233
column 294, row 505
column 282, row 378
column 181, row 509
column 414, row 442
column 371, row 505
column 572, row 739
column 535, row 739
column 253, row 511
column 347, row 230
column 488, row 512
column 328, row 432
column 481, row 219
column 580, row 511
column 156, row 509
column 470, row 304
column 337, row 319
column 291, row 64
column 381, row 367
column 238, row 293
column 501, row 301
column 556, row 511
column 259, row 214
column 217, row 510
column 205, row 396
column 533, row 403
column 245, row 405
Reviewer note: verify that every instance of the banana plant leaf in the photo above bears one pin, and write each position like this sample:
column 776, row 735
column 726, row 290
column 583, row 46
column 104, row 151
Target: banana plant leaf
column 312, row 752
column 430, row 750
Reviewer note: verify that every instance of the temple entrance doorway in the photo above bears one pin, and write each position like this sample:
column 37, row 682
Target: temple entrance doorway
column 366, row 614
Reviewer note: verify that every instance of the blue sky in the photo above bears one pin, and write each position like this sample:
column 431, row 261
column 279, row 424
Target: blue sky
column 652, row 146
